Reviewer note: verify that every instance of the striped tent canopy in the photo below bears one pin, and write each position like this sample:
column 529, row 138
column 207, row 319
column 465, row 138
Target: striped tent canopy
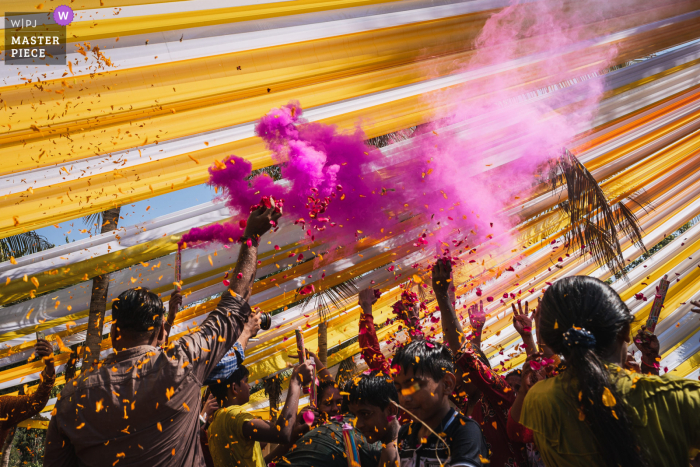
column 157, row 92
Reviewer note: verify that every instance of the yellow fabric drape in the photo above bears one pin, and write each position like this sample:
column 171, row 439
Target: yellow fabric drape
column 68, row 200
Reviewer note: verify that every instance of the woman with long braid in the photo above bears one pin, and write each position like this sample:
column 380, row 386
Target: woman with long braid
column 596, row 412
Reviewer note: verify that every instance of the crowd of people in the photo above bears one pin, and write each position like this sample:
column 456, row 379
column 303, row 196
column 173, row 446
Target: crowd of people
column 579, row 399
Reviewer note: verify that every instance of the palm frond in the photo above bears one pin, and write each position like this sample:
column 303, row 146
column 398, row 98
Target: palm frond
column 346, row 371
column 23, row 244
column 594, row 224
column 274, row 171
column 94, row 218
column 394, row 137
column 337, row 295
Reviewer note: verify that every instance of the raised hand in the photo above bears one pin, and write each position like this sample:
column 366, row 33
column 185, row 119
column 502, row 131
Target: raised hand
column 533, row 371
column 175, row 303
column 477, row 316
column 521, row 321
column 252, row 326
column 648, row 344
column 442, row 271
column 44, row 350
column 696, row 306
column 367, row 298
column 261, row 220
column 210, row 406
column 306, row 372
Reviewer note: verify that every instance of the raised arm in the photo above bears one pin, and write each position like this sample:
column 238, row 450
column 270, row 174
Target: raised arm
column 217, row 334
column 369, row 343
column 281, row 432
column 522, row 322
column 236, row 355
column 648, row 344
column 451, row 327
column 477, row 319
column 259, row 222
column 173, row 307
column 516, row 431
column 14, row 409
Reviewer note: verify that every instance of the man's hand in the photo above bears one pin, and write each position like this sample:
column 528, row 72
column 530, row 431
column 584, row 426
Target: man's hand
column 260, row 221
column 44, row 350
column 306, row 372
column 648, row 344
column 367, row 299
column 210, row 406
column 696, row 306
column 175, row 301
column 252, row 326
column 477, row 316
column 533, row 371
column 442, row 279
column 174, row 305
column 521, row 321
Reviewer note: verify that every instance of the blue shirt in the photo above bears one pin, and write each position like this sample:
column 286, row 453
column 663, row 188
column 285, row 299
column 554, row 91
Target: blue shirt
column 227, row 365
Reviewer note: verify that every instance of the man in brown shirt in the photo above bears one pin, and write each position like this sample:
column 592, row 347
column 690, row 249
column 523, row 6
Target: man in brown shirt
column 14, row 409
column 141, row 406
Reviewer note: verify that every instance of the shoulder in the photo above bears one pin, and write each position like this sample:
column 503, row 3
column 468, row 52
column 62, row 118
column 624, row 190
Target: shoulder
column 463, row 429
column 237, row 413
column 405, row 430
column 647, row 388
column 229, row 300
column 542, row 390
column 544, row 401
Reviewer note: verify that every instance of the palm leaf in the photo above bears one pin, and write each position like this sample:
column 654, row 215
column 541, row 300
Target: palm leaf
column 346, row 371
column 23, row 244
column 385, row 140
column 94, row 218
column 337, row 295
column 594, row 224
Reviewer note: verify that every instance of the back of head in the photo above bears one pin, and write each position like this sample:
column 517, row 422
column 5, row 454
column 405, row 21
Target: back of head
column 426, row 358
column 221, row 387
column 373, row 389
column 138, row 311
column 582, row 319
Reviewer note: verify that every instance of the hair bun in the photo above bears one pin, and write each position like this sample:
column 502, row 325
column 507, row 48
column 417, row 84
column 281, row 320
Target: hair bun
column 579, row 337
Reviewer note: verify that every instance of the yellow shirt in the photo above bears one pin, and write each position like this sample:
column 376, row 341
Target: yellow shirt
column 664, row 410
column 227, row 445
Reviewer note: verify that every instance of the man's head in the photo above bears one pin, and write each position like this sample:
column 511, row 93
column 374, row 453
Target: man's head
column 513, row 379
column 425, row 378
column 137, row 319
column 370, row 400
column 233, row 390
column 329, row 398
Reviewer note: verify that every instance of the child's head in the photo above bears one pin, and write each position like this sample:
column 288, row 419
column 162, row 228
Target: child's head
column 425, row 378
column 369, row 399
column 329, row 398
column 234, row 389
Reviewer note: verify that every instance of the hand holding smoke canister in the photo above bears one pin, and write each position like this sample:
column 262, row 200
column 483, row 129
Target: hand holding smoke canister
column 658, row 304
column 300, row 345
column 302, row 358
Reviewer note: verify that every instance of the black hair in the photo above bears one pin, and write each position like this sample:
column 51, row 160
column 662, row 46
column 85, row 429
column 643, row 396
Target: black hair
column 323, row 385
column 425, row 357
column 581, row 319
column 517, row 372
column 138, row 311
column 373, row 389
column 220, row 388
